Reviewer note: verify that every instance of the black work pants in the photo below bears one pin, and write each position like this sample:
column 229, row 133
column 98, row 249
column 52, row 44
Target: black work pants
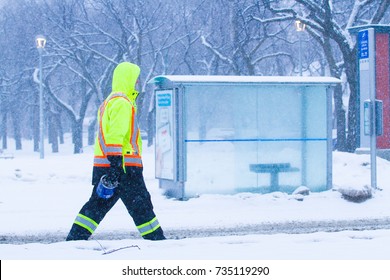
column 132, row 191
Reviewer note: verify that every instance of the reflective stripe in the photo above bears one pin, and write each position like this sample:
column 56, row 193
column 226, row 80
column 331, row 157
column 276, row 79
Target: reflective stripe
column 101, row 161
column 133, row 161
column 109, row 149
column 101, row 140
column 86, row 223
column 106, row 149
column 149, row 227
column 113, row 150
column 134, row 136
column 129, row 161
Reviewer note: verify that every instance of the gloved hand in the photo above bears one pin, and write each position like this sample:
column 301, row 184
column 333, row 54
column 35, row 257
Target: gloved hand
column 115, row 171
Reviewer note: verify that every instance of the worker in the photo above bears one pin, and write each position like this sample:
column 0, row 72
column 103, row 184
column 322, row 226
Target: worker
column 117, row 170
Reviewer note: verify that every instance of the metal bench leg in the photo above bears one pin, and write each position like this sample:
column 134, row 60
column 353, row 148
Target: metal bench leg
column 274, row 181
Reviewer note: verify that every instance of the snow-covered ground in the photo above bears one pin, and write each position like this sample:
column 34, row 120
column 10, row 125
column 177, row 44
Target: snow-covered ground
column 39, row 199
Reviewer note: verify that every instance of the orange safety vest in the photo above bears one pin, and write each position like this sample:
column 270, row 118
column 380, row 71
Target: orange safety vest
column 118, row 134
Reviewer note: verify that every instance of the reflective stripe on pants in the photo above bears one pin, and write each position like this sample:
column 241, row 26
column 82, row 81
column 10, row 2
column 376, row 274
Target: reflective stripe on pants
column 86, row 223
column 148, row 227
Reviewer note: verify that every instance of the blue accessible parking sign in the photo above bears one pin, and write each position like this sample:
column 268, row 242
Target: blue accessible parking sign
column 363, row 44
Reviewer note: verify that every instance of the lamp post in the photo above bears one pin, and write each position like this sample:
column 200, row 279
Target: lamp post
column 300, row 27
column 40, row 42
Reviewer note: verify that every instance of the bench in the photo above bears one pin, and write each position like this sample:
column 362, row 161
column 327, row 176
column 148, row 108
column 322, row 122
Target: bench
column 6, row 155
column 274, row 169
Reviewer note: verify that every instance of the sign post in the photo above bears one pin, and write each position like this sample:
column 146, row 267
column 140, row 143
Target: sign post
column 368, row 108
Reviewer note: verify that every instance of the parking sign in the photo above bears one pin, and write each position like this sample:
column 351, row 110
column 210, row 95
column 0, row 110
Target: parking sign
column 363, row 44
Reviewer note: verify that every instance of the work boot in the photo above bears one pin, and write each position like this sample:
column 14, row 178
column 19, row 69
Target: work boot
column 158, row 234
column 78, row 233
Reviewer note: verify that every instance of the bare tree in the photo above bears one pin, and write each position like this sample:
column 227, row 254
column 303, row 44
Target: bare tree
column 17, row 96
column 328, row 23
column 247, row 47
column 87, row 38
column 69, row 69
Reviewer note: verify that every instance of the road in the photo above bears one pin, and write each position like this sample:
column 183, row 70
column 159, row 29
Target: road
column 293, row 227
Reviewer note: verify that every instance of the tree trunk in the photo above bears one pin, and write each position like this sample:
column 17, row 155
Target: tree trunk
column 340, row 119
column 151, row 126
column 353, row 107
column 340, row 115
column 91, row 132
column 35, row 126
column 4, row 130
column 77, row 137
column 17, row 133
column 53, row 132
column 60, row 129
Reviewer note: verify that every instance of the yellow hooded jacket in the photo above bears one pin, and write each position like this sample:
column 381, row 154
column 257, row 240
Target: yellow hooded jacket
column 118, row 133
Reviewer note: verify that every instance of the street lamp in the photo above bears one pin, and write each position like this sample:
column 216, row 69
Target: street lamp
column 40, row 42
column 300, row 27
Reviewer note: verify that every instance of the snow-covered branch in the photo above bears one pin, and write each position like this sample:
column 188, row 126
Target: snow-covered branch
column 214, row 50
column 272, row 55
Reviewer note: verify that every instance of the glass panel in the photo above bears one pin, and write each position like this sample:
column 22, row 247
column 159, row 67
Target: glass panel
column 315, row 112
column 314, row 150
column 210, row 134
column 279, row 129
column 210, row 168
column 316, row 165
column 208, row 112
column 279, row 112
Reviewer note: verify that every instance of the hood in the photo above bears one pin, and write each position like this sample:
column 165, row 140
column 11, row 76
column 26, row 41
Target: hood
column 124, row 79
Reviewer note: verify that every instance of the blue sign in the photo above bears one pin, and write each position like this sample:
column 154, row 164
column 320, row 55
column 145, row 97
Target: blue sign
column 164, row 100
column 363, row 44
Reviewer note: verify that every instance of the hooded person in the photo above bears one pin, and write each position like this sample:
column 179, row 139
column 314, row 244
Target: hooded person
column 117, row 169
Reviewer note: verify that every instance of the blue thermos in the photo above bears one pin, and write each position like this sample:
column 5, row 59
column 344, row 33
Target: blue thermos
column 104, row 189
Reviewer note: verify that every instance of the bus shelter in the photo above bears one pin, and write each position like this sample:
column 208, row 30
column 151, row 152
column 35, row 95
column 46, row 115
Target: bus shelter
column 231, row 134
